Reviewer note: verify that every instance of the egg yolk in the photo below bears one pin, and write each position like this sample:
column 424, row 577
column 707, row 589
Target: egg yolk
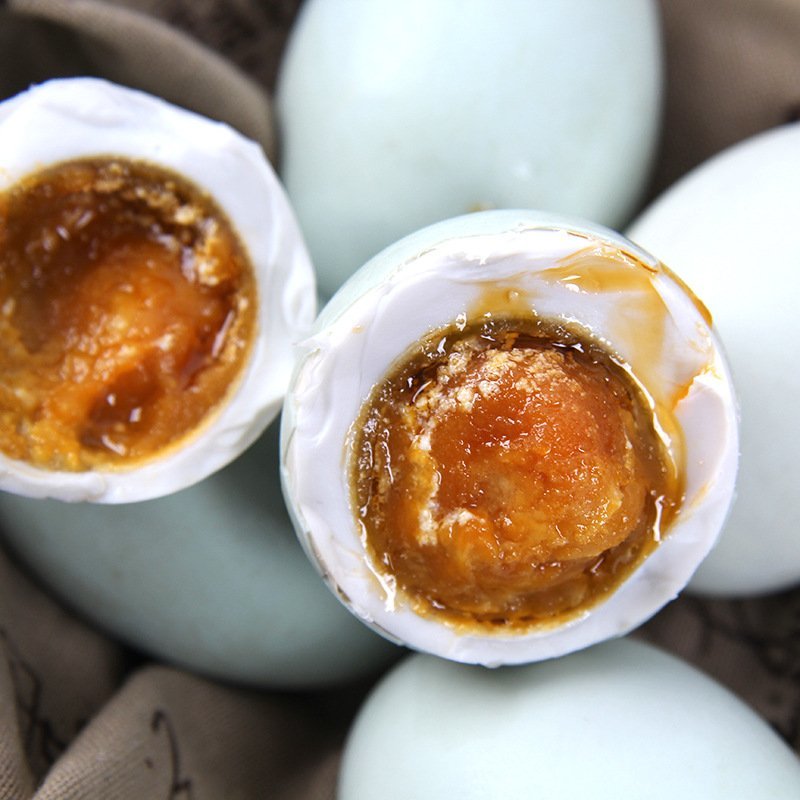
column 127, row 308
column 509, row 475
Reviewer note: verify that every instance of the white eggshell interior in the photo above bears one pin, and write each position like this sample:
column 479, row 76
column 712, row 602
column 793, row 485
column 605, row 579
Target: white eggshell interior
column 425, row 282
column 397, row 115
column 622, row 720
column 211, row 578
column 86, row 117
column 729, row 228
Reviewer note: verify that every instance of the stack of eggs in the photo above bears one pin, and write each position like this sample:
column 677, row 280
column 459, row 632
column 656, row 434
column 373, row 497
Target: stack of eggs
column 509, row 436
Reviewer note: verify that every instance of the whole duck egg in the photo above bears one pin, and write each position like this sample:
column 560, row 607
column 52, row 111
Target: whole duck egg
column 620, row 720
column 729, row 228
column 210, row 578
column 395, row 115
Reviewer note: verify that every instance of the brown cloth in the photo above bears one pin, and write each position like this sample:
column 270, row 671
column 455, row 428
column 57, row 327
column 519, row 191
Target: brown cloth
column 42, row 39
column 83, row 717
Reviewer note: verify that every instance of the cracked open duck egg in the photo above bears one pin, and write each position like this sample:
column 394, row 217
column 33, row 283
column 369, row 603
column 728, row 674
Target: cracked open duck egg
column 152, row 282
column 509, row 436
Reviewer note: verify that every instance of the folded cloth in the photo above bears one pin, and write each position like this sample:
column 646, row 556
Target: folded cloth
column 80, row 717
column 733, row 70
column 41, row 39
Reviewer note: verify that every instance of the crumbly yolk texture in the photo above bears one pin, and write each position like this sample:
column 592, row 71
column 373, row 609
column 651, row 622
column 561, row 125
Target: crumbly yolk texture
column 510, row 479
column 127, row 308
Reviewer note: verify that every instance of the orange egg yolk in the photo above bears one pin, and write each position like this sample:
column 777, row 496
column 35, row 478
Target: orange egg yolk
column 127, row 308
column 509, row 475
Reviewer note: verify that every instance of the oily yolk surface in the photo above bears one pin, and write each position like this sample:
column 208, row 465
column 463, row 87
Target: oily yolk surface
column 510, row 481
column 126, row 309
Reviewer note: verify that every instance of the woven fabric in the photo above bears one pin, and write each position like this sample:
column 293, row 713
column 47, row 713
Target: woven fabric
column 48, row 38
column 82, row 716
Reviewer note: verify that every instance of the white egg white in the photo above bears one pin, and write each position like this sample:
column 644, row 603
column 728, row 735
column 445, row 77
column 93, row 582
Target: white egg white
column 85, row 117
column 620, row 720
column 425, row 282
column 729, row 228
column 396, row 115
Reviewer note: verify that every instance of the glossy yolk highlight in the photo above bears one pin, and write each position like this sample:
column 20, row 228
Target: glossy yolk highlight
column 127, row 306
column 511, row 481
